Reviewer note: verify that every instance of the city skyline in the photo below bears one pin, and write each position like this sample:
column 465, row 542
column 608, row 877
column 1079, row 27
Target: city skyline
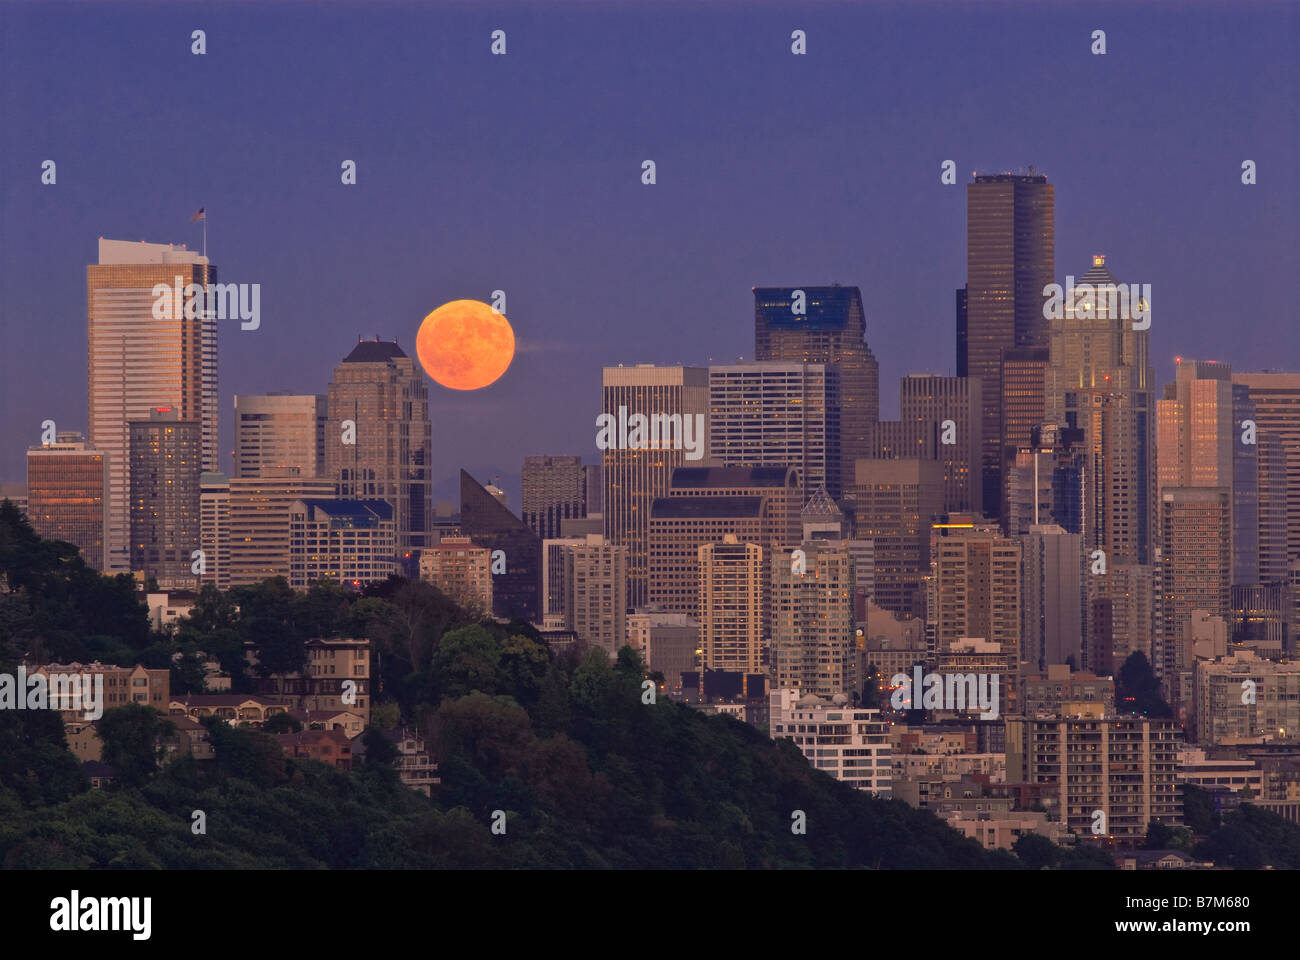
column 581, row 304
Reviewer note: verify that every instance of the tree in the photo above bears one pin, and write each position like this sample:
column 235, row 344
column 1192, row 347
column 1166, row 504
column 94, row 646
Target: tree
column 132, row 736
column 1036, row 851
column 1136, row 689
column 1198, row 810
column 379, row 749
column 281, row 723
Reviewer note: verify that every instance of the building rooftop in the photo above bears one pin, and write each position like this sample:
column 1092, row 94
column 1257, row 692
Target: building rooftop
column 693, row 508
column 374, row 351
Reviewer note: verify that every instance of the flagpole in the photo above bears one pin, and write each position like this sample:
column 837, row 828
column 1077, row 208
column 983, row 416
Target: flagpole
column 205, row 234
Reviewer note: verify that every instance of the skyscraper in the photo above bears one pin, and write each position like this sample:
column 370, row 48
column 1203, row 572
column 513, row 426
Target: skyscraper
column 389, row 451
column 595, row 590
column 976, row 578
column 895, row 503
column 940, row 418
column 826, row 325
column 1195, row 569
column 635, row 477
column 554, row 489
column 1277, row 415
column 1010, row 258
column 166, row 455
column 732, row 583
column 138, row 361
column 67, row 494
column 775, row 414
column 1100, row 381
column 812, row 640
column 280, row 430
column 257, row 520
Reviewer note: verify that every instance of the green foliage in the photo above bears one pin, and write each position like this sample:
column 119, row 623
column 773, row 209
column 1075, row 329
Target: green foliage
column 132, row 736
column 1137, row 690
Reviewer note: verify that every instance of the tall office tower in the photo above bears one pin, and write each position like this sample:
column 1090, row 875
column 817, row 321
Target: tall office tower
column 895, row 503
column 389, row 452
column 67, row 494
column 166, row 463
column 1277, row 416
column 963, row 339
column 1024, row 403
column 280, row 430
column 1010, row 258
column 593, row 488
column 774, row 414
column 976, row 579
column 258, row 524
column 812, row 640
column 1194, row 427
column 939, row 419
column 461, row 571
column 704, row 504
column 1247, row 531
column 1101, row 381
column 554, row 489
column 1195, row 572
column 1271, row 481
column 1052, row 597
column 138, row 362
column 595, row 592
column 634, row 478
column 214, row 529
column 827, row 326
column 732, row 584
column 515, row 593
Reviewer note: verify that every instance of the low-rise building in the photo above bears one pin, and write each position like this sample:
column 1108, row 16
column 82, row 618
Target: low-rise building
column 851, row 745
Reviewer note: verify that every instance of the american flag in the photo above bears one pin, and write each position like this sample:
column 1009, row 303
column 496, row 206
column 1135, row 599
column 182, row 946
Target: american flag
column 200, row 214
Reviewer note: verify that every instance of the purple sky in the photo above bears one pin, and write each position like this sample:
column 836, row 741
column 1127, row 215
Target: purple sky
column 522, row 173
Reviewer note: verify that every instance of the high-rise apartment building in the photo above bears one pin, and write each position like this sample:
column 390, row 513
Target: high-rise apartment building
column 554, row 489
column 460, row 570
column 827, row 326
column 1024, row 403
column 595, row 604
column 634, row 477
column 813, row 646
column 976, row 578
column 166, row 463
column 387, row 453
column 214, row 529
column 67, row 495
column 280, row 430
column 1124, row 766
column 141, row 358
column 733, row 580
column 1010, row 258
column 775, row 414
column 1195, row 572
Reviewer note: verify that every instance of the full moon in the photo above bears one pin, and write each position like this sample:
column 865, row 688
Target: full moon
column 465, row 345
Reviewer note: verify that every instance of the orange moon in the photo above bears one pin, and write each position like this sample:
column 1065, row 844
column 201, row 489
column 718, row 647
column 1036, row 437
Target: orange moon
column 465, row 345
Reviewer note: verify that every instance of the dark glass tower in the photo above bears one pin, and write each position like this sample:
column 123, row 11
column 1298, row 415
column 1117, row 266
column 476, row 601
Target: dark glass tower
column 1010, row 258
column 831, row 331
column 485, row 521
